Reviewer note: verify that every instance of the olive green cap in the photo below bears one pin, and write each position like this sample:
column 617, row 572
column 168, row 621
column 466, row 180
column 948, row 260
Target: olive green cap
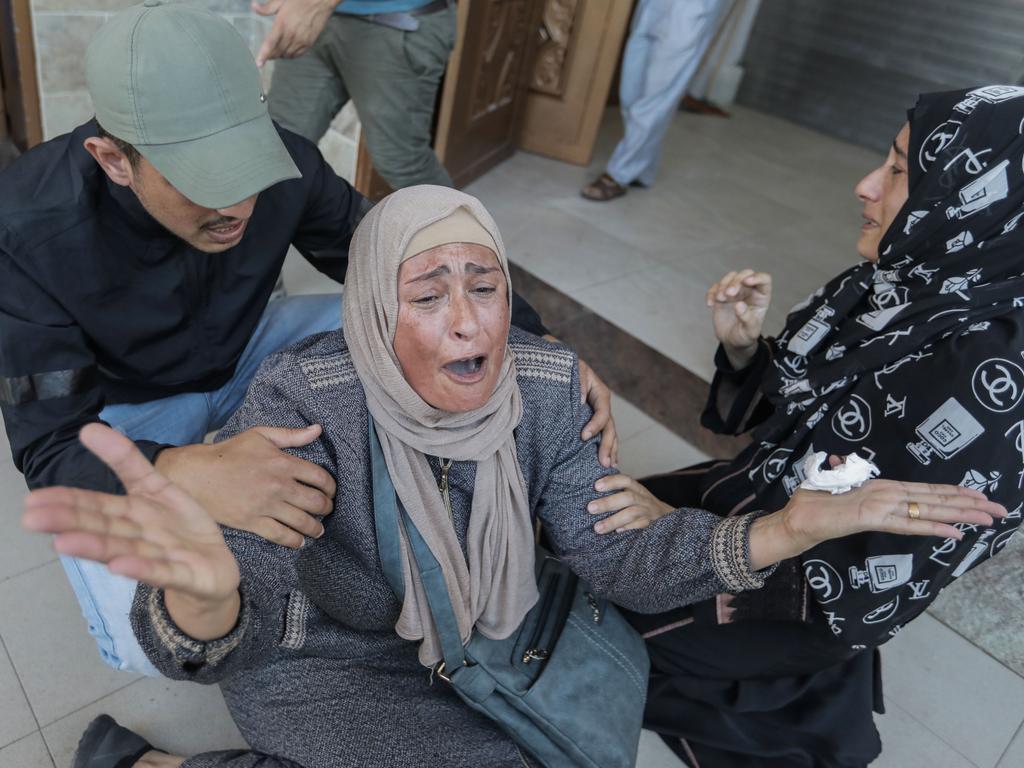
column 179, row 84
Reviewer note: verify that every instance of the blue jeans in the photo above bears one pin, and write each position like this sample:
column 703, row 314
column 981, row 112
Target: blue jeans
column 666, row 44
column 105, row 598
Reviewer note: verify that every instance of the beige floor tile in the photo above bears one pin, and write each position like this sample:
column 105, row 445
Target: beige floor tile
column 664, row 307
column 1013, row 757
column 655, row 450
column 16, row 720
column 19, row 550
column 907, row 743
column 629, row 420
column 50, row 646
column 654, row 754
column 180, row 718
column 569, row 253
column 953, row 689
column 29, row 752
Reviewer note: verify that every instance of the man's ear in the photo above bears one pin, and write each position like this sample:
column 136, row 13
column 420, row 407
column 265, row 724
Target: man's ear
column 111, row 159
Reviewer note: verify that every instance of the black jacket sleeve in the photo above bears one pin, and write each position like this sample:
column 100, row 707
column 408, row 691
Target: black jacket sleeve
column 735, row 403
column 333, row 210
column 48, row 388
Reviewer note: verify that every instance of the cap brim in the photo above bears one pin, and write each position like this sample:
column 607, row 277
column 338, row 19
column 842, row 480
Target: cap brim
column 225, row 168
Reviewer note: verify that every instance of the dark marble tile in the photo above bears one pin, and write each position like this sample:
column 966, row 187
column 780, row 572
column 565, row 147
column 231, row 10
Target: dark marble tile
column 555, row 308
column 657, row 385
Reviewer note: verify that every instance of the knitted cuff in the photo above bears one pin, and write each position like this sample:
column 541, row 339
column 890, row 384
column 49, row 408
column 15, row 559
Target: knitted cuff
column 188, row 649
column 730, row 554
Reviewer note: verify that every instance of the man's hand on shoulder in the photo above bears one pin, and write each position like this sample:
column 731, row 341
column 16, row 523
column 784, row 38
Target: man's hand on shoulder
column 249, row 482
column 297, row 26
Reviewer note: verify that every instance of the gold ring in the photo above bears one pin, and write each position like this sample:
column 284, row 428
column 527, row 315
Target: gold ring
column 913, row 511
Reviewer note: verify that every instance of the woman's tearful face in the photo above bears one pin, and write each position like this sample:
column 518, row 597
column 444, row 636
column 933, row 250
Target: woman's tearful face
column 453, row 319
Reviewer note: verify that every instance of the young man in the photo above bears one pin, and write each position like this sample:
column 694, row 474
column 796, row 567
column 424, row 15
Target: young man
column 137, row 257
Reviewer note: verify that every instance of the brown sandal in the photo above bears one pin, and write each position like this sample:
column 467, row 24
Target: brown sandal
column 603, row 188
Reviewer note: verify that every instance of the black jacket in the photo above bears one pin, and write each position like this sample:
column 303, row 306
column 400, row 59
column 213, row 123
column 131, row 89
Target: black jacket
column 100, row 304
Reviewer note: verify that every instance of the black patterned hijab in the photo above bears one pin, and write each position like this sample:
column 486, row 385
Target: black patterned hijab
column 916, row 361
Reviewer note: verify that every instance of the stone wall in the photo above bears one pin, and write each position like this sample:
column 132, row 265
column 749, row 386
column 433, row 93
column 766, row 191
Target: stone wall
column 63, row 29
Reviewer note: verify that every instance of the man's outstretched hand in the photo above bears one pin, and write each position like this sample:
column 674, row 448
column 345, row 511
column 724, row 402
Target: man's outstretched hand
column 156, row 534
column 297, row 26
column 249, row 482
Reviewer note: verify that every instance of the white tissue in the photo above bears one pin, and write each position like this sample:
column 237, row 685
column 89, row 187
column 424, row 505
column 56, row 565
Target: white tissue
column 853, row 474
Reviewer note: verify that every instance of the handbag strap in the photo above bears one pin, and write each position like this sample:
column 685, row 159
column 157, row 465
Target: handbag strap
column 389, row 514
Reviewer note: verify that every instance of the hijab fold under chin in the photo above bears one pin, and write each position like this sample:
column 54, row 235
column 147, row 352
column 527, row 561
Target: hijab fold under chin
column 493, row 585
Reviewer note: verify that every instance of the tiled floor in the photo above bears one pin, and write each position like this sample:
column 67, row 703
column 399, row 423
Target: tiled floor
column 750, row 190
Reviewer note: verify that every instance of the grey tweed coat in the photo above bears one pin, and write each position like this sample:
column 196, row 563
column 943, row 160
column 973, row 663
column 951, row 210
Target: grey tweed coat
column 314, row 674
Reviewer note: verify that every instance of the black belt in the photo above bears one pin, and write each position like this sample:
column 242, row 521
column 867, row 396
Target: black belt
column 406, row 21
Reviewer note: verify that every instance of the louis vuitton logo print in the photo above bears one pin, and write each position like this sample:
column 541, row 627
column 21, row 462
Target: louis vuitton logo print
column 894, row 407
column 919, row 589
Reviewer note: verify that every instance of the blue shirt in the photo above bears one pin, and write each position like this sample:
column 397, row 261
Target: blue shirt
column 364, row 7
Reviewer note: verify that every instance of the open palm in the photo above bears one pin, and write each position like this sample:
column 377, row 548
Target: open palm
column 156, row 534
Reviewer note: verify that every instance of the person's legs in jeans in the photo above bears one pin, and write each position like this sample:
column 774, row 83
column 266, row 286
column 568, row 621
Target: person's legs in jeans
column 284, row 322
column 306, row 93
column 106, row 598
column 665, row 47
column 393, row 77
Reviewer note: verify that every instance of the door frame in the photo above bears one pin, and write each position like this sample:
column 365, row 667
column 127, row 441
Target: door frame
column 18, row 71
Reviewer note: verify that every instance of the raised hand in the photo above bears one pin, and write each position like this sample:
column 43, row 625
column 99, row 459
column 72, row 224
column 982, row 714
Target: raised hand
column 297, row 26
column 739, row 303
column 249, row 482
column 156, row 534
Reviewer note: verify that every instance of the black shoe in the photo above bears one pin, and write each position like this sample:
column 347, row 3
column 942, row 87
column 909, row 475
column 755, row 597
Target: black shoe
column 105, row 744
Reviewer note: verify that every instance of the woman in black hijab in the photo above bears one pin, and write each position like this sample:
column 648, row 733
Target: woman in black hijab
column 914, row 359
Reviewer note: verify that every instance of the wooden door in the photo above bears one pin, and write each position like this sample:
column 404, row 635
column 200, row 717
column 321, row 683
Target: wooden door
column 18, row 74
column 579, row 45
column 483, row 96
column 486, row 86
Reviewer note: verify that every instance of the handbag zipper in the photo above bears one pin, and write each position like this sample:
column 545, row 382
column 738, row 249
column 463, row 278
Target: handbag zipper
column 444, row 488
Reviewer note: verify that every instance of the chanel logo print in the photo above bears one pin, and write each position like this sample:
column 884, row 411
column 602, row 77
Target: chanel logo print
column 884, row 612
column 937, row 140
column 824, row 580
column 998, row 384
column 852, row 420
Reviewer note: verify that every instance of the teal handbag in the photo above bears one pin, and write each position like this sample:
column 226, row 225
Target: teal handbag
column 568, row 686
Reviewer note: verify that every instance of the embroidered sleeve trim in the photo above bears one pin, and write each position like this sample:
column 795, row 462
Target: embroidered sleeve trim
column 730, row 554
column 295, row 621
column 184, row 647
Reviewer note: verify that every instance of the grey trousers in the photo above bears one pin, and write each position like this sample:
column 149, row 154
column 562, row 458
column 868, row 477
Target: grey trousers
column 392, row 76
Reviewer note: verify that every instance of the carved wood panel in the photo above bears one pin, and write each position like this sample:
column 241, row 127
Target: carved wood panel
column 506, row 27
column 571, row 79
column 553, row 40
column 486, row 85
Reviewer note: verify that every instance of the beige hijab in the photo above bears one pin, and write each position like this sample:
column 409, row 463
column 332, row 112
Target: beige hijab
column 494, row 586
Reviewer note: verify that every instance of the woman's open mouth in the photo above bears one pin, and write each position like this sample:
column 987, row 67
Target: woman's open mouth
column 468, row 370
